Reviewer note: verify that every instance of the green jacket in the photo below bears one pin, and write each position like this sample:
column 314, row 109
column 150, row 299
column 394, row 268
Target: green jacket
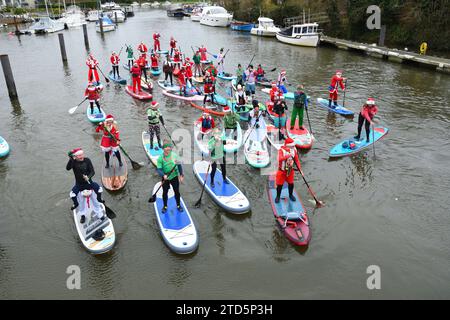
column 300, row 99
column 216, row 149
column 230, row 120
column 196, row 59
column 153, row 116
column 167, row 163
column 129, row 50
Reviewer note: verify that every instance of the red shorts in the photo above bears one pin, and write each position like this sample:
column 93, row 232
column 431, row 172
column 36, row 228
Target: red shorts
column 282, row 177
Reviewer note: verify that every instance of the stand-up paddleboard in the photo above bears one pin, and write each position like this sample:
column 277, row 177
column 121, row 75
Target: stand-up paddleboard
column 176, row 95
column 4, row 147
column 232, row 144
column 202, row 143
column 351, row 146
column 301, row 136
column 156, row 72
column 256, row 152
column 264, row 83
column 96, row 225
column 177, row 228
column 209, row 110
column 227, row 196
column 117, row 79
column 146, row 85
column 220, row 100
column 290, row 215
column 97, row 116
column 152, row 153
column 226, row 76
column 166, row 86
column 198, row 79
column 125, row 66
column 162, row 52
column 273, row 136
column 115, row 177
column 339, row 109
column 138, row 95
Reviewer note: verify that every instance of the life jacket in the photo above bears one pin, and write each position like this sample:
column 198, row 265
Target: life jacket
column 240, row 98
column 206, row 123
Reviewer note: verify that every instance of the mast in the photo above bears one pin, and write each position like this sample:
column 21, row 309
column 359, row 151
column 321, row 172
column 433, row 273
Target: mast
column 46, row 8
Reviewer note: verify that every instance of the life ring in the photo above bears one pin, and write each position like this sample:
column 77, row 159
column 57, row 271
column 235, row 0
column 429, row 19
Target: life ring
column 423, row 48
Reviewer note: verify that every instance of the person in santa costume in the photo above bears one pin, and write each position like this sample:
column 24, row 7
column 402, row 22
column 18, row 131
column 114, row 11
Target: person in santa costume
column 92, row 63
column 142, row 48
column 274, row 92
column 241, row 98
column 287, row 155
column 136, row 77
column 115, row 64
column 203, row 52
column 168, row 70
column 220, row 61
column 92, row 94
column 366, row 115
column 142, row 62
column 181, row 76
column 281, row 81
column 173, row 45
column 177, row 58
column 188, row 67
column 217, row 154
column 155, row 61
column 208, row 87
column 336, row 81
column 154, row 117
column 207, row 124
column 110, row 139
column 156, row 42
column 83, row 171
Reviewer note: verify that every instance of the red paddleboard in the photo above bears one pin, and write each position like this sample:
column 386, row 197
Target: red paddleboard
column 140, row 96
column 302, row 137
column 213, row 112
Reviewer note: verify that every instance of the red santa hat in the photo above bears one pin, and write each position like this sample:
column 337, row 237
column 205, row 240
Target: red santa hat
column 283, row 71
column 187, row 59
column 77, row 152
column 289, row 142
column 338, row 71
column 90, row 84
column 274, row 84
column 370, row 101
column 109, row 117
column 155, row 104
column 226, row 109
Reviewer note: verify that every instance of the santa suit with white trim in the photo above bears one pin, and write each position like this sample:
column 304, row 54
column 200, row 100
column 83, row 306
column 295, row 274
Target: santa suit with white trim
column 92, row 63
column 156, row 44
column 92, row 94
column 115, row 64
column 336, row 81
column 287, row 155
column 110, row 139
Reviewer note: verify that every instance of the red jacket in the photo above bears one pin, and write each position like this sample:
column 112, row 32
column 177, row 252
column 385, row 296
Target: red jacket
column 284, row 154
column 107, row 141
column 182, row 77
column 189, row 69
column 369, row 112
column 114, row 60
column 274, row 94
column 177, row 56
column 142, row 61
column 142, row 47
column 202, row 120
column 173, row 43
column 209, row 84
column 92, row 93
column 154, row 61
column 135, row 72
column 335, row 82
column 203, row 54
column 156, row 37
column 91, row 63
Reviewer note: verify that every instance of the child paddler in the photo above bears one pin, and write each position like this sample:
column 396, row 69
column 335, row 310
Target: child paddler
column 110, row 139
column 240, row 75
column 129, row 51
column 84, row 171
column 300, row 103
column 366, row 115
column 287, row 155
column 216, row 151
column 154, row 117
column 169, row 168
column 197, row 65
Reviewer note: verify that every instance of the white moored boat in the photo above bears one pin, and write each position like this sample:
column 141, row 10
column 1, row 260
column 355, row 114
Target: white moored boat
column 73, row 17
column 46, row 25
column 265, row 28
column 306, row 35
column 108, row 25
column 120, row 15
column 196, row 15
column 93, row 15
column 216, row 17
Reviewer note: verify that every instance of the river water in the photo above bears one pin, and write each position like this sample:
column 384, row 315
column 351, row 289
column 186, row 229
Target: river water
column 390, row 210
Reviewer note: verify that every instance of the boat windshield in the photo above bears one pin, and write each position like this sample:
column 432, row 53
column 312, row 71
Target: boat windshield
column 217, row 11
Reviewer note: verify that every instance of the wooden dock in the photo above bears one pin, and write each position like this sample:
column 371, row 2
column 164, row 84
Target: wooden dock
column 400, row 56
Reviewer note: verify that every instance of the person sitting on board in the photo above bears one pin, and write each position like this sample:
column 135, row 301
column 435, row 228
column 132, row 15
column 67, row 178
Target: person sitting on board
column 136, row 77
column 181, row 77
column 366, row 115
column 250, row 86
column 142, row 62
column 92, row 63
column 220, row 61
column 230, row 120
column 168, row 70
column 83, row 171
column 177, row 58
column 142, row 48
column 130, row 56
column 257, row 122
column 260, row 73
column 203, row 51
column 156, row 42
column 274, row 92
column 154, row 117
column 208, row 87
column 281, row 81
column 170, row 169
column 188, row 67
column 115, row 64
column 207, row 124
column 279, row 109
column 92, row 94
column 197, row 65
column 300, row 103
column 172, row 45
column 110, row 139
column 287, row 155
column 336, row 81
column 155, row 62
column 240, row 75
column 241, row 98
column 216, row 152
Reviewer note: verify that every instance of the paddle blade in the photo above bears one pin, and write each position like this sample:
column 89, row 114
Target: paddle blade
column 107, row 80
column 198, row 203
column 152, row 198
column 110, row 213
column 319, row 204
column 273, row 69
column 136, row 165
column 72, row 110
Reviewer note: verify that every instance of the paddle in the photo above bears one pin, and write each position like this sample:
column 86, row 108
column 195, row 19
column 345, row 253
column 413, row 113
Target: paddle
column 260, row 113
column 153, row 197
column 343, row 102
column 169, row 135
column 309, row 122
column 72, row 110
column 106, row 79
column 134, row 164
column 373, row 138
column 199, row 201
column 251, row 60
column 318, row 203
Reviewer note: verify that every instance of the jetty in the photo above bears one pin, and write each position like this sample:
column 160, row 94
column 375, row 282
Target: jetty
column 399, row 56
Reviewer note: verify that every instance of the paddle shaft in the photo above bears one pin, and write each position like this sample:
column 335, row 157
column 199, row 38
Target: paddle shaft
column 152, row 198
column 72, row 110
column 373, row 138
column 106, row 79
column 254, row 55
column 121, row 148
column 343, row 101
column 203, row 187
column 318, row 203
column 252, row 127
column 307, row 116
column 169, row 135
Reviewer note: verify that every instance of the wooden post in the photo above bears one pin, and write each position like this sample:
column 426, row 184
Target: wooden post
column 382, row 35
column 86, row 39
column 101, row 25
column 62, row 46
column 115, row 16
column 17, row 28
column 9, row 78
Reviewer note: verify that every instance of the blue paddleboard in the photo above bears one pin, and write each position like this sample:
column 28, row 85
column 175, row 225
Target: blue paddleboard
column 116, row 79
column 344, row 148
column 339, row 109
column 4, row 147
column 97, row 116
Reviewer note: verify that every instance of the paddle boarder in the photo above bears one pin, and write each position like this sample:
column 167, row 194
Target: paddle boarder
column 241, row 98
column 250, row 76
column 208, row 87
column 154, row 117
column 92, row 63
column 203, row 52
column 142, row 48
column 170, row 169
column 257, row 122
column 207, row 124
column 197, row 65
column 336, row 81
column 92, row 94
column 156, row 42
column 181, row 77
column 300, row 103
column 240, row 75
column 130, row 56
column 287, row 155
column 220, row 61
column 136, row 77
column 281, row 81
column 108, row 143
column 172, row 45
column 260, row 73
column 177, row 58
column 142, row 62
column 366, row 115
column 154, row 61
column 188, row 67
column 274, row 92
column 83, row 171
column 216, row 152
column 168, row 70
column 115, row 64
column 231, row 120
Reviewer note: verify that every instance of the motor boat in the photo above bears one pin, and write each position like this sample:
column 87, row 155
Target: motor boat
column 120, row 15
column 93, row 15
column 108, row 25
column 265, row 28
column 305, row 34
column 216, row 17
column 46, row 25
